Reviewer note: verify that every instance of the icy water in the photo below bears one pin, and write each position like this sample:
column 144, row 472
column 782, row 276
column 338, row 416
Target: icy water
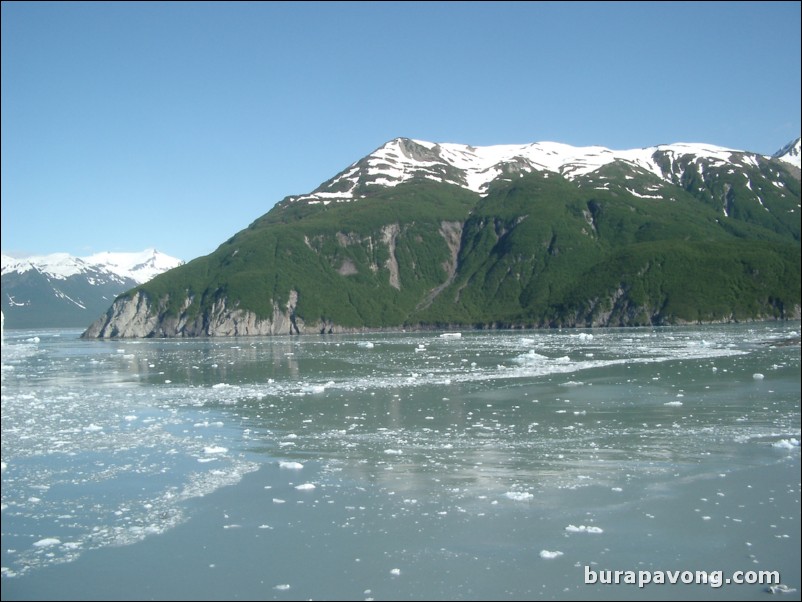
column 491, row 465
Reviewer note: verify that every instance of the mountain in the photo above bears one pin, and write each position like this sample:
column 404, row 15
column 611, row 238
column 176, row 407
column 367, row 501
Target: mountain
column 60, row 290
column 419, row 234
column 790, row 153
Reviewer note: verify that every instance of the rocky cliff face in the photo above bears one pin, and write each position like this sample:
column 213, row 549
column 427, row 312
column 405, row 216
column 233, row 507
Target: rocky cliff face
column 138, row 317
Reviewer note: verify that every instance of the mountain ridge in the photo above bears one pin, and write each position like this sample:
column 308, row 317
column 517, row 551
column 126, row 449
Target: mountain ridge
column 474, row 168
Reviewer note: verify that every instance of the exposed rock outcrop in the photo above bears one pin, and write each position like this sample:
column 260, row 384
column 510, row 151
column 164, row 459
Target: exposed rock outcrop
column 137, row 317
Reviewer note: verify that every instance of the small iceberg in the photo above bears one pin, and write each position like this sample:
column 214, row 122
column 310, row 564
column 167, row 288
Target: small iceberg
column 780, row 589
column 215, row 449
column 519, row 496
column 47, row 542
column 583, row 529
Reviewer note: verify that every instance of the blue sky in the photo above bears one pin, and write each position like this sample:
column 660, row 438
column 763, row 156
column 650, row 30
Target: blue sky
column 175, row 125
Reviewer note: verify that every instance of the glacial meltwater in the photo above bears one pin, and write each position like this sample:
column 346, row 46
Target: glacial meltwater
column 426, row 465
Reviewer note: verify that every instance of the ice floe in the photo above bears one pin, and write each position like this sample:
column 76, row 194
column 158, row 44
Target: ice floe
column 519, row 496
column 780, row 589
column 47, row 542
column 583, row 529
column 215, row 449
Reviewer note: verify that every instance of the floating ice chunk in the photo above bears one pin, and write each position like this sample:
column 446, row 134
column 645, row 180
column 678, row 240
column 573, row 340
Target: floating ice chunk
column 367, row 345
column 395, row 572
column 550, row 555
column 93, row 428
column 519, row 496
column 530, row 357
column 316, row 389
column 393, row 452
column 214, row 449
column 305, row 487
column 277, row 501
column 673, row 403
column 786, row 443
column 780, row 589
column 130, row 418
column 758, row 376
column 451, row 335
column 47, row 542
column 583, row 529
column 291, row 465
column 283, row 587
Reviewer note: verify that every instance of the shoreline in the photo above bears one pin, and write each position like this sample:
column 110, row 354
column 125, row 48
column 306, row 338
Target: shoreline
column 445, row 328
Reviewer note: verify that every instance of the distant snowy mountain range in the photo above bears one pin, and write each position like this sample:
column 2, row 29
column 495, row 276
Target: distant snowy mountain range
column 61, row 290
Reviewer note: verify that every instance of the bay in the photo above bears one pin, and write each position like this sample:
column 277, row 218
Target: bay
column 423, row 465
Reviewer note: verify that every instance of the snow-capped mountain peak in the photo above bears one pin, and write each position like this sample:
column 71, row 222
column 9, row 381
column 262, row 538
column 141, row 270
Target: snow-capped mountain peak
column 790, row 153
column 141, row 266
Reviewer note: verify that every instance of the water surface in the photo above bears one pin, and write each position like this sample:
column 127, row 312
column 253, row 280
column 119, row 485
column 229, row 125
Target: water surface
column 399, row 466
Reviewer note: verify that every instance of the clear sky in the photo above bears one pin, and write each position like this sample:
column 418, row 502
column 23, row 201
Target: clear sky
column 175, row 125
